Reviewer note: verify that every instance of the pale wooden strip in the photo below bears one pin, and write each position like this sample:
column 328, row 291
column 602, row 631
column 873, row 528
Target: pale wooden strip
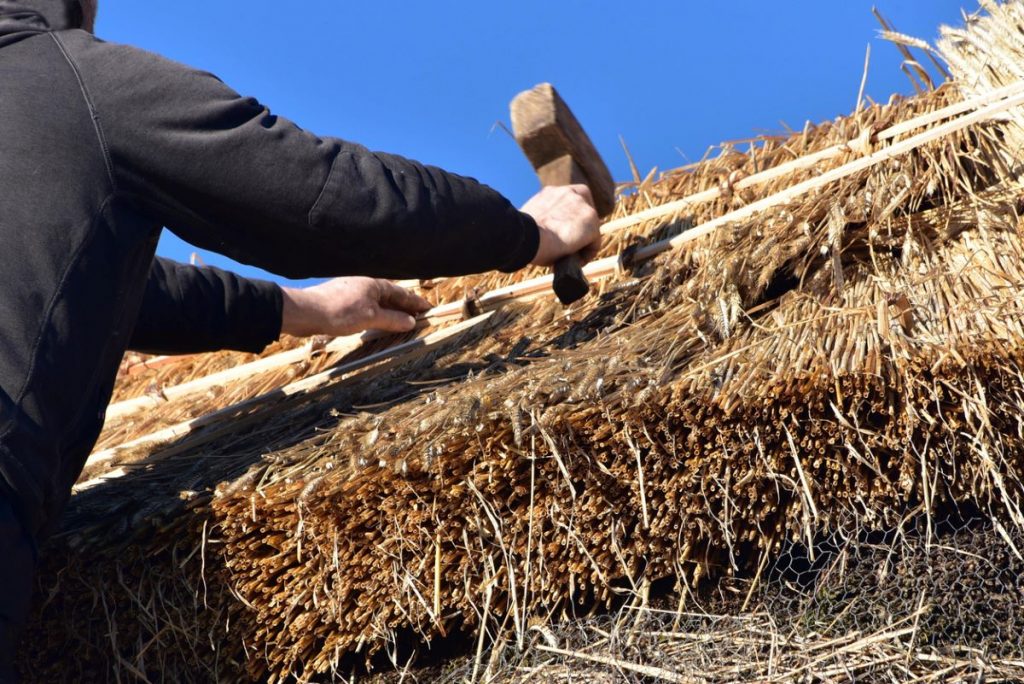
column 191, row 427
column 339, row 345
column 811, row 160
column 96, row 481
column 154, row 363
column 839, row 173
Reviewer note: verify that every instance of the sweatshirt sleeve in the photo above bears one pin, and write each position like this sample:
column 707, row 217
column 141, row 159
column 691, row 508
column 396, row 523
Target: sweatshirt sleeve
column 225, row 174
column 187, row 309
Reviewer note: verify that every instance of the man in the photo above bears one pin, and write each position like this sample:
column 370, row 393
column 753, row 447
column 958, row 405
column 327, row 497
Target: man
column 100, row 146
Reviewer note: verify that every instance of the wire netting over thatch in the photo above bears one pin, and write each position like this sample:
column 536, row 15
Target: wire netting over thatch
column 845, row 361
column 914, row 606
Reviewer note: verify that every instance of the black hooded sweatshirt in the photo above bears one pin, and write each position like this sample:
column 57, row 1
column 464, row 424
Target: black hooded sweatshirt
column 100, row 146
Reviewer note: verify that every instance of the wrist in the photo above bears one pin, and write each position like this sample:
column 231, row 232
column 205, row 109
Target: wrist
column 547, row 247
column 299, row 313
column 524, row 250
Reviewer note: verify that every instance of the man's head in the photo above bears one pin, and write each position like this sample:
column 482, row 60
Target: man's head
column 88, row 14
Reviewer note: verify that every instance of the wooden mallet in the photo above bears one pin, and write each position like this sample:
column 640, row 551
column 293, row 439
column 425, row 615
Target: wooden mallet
column 561, row 154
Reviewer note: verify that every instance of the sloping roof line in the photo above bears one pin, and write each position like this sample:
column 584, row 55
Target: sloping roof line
column 961, row 115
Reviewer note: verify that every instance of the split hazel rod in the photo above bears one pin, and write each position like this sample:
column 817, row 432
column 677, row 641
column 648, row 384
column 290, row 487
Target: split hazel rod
column 303, row 386
column 339, row 345
column 855, row 166
column 343, row 345
column 811, row 160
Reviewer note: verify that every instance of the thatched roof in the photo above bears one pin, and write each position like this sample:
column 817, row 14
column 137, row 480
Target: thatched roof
column 827, row 337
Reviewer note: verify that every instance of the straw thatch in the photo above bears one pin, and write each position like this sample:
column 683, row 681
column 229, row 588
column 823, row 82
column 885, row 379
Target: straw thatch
column 847, row 358
column 870, row 608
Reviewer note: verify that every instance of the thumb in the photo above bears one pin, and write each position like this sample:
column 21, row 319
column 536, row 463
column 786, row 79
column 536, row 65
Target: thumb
column 391, row 320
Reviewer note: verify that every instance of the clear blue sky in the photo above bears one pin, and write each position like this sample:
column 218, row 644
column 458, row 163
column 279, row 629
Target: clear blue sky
column 430, row 80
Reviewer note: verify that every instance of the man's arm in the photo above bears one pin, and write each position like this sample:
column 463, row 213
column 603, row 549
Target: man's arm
column 187, row 309
column 225, row 174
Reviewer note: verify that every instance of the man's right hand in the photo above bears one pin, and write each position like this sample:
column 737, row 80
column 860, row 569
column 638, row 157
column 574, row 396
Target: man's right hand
column 568, row 223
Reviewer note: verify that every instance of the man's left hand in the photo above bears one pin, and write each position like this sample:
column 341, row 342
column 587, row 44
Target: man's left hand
column 345, row 306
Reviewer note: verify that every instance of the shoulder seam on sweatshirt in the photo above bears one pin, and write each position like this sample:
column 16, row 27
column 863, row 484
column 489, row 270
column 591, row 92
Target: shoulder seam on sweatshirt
column 97, row 127
column 311, row 216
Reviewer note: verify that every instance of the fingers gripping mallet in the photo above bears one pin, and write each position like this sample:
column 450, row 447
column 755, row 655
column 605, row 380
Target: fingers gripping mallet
column 561, row 154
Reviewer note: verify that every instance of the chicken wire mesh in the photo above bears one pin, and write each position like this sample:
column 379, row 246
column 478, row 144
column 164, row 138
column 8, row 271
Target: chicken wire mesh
column 925, row 602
